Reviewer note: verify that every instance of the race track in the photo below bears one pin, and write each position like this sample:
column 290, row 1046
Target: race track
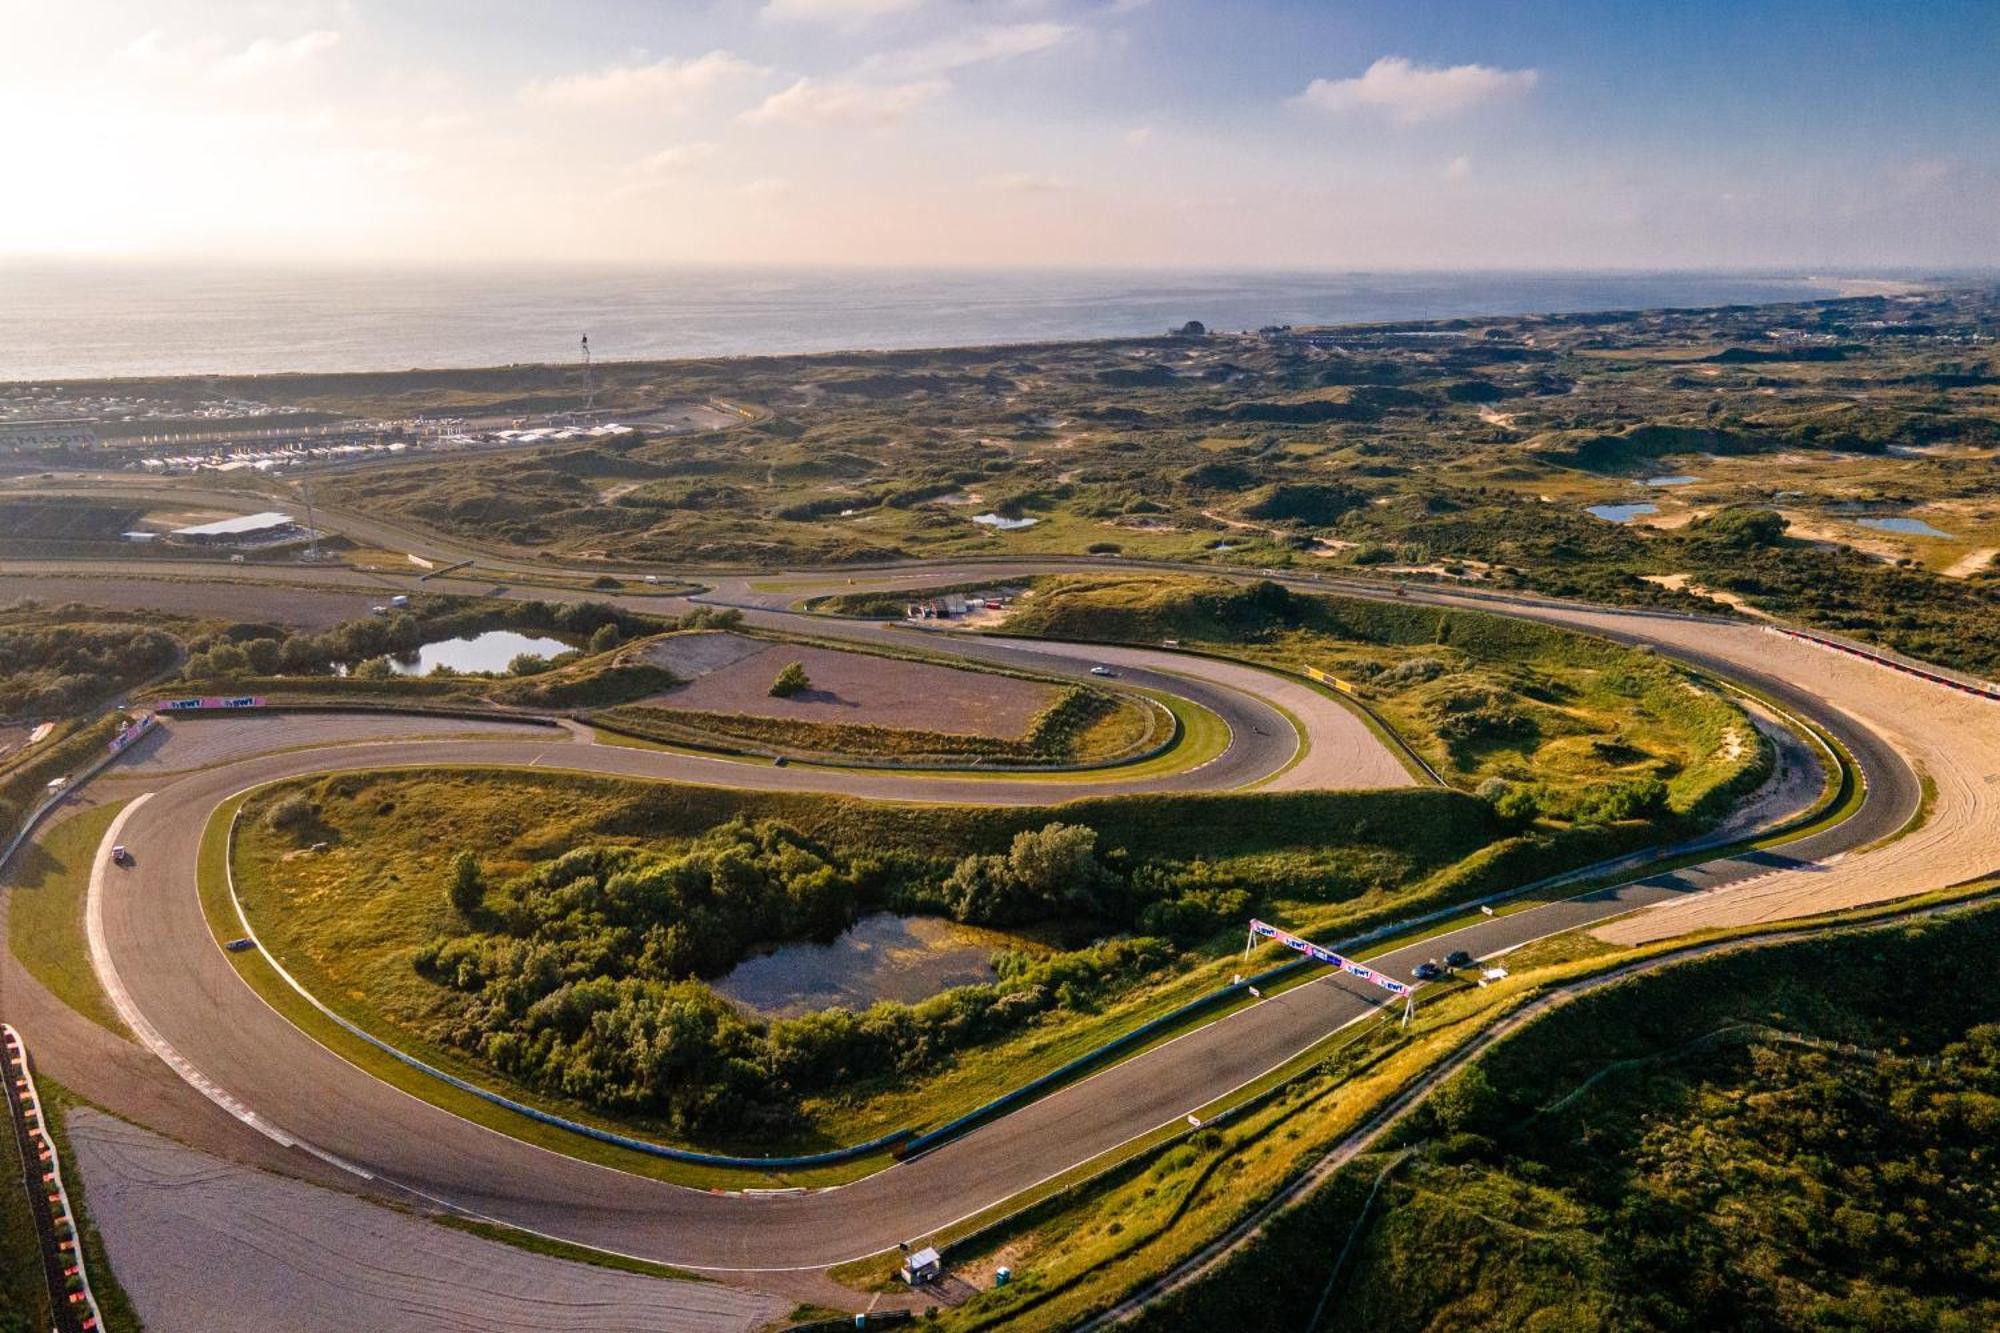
column 164, row 954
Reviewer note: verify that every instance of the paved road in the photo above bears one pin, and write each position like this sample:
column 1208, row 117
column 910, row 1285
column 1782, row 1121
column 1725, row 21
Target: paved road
column 186, row 987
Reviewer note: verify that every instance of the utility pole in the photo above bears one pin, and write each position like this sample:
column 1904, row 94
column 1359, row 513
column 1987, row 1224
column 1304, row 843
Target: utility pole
column 589, row 389
column 312, row 529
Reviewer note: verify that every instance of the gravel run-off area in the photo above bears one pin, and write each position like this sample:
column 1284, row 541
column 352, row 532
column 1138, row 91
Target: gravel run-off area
column 730, row 673
column 205, row 1246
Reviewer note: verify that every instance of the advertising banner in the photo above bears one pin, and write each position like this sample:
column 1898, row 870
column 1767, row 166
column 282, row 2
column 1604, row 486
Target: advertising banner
column 1329, row 957
column 208, row 702
column 131, row 731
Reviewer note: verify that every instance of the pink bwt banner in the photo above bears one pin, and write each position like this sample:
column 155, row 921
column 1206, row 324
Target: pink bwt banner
column 1328, row 956
column 208, row 702
column 131, row 731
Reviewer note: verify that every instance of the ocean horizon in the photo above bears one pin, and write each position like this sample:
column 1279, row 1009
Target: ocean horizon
column 69, row 320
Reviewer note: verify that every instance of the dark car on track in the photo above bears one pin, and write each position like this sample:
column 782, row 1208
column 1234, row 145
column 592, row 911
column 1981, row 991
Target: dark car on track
column 240, row 945
column 120, row 857
column 1428, row 970
column 1458, row 958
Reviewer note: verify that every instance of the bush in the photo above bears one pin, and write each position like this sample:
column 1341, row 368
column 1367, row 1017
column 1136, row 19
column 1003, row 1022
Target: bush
column 468, row 885
column 1047, row 872
column 605, row 638
column 792, row 680
column 290, row 815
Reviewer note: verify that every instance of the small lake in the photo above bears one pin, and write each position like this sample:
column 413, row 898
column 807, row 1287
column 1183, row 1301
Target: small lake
column 491, row 651
column 1004, row 524
column 881, row 957
column 1678, row 479
column 1621, row 513
column 1908, row 527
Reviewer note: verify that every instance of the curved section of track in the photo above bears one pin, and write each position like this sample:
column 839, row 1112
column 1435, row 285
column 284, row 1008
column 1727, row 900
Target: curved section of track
column 193, row 997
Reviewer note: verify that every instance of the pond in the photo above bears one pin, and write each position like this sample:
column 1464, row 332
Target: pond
column 881, row 957
column 1003, row 523
column 1908, row 527
column 1678, row 479
column 1624, row 513
column 491, row 651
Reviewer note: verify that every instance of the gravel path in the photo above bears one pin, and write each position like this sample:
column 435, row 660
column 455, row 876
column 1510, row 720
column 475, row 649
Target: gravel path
column 203, row 1244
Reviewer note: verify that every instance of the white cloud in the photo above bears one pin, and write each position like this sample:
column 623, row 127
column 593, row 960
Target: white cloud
column 267, row 55
column 1022, row 182
column 1458, row 168
column 835, row 102
column 667, row 84
column 679, row 157
column 836, row 11
column 1413, row 92
column 974, row 47
column 1139, row 136
column 213, row 58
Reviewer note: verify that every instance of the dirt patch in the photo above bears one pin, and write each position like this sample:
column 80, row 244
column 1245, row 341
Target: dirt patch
column 692, row 656
column 1970, row 563
column 859, row 688
column 1679, row 583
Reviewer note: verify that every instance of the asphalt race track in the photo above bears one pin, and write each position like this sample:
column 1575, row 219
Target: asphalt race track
column 175, row 975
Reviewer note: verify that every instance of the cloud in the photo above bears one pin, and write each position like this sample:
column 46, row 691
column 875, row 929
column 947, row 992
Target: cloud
column 679, row 157
column 667, row 84
column 819, row 103
column 1022, row 182
column 1414, row 93
column 977, row 46
column 212, row 58
column 267, row 54
column 1458, row 168
column 1139, row 136
column 836, row 11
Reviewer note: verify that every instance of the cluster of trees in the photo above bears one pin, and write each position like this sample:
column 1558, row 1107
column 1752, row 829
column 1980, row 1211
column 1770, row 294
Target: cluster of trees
column 61, row 668
column 582, row 977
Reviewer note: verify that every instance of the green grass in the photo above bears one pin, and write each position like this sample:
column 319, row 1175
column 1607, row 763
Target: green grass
column 120, row 1316
column 24, row 1292
column 45, row 912
column 1479, row 696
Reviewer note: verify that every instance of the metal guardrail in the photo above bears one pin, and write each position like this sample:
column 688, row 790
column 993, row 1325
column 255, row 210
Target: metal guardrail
column 1894, row 662
column 71, row 1300
column 1097, row 1055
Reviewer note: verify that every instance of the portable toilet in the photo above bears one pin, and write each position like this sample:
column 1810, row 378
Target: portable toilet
column 1001, row 1276
column 923, row 1266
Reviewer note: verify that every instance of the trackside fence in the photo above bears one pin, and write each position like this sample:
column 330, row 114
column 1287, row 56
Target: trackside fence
column 70, row 1296
column 1895, row 662
column 1138, row 1036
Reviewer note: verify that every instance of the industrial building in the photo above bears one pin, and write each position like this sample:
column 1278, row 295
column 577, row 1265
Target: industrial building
column 263, row 529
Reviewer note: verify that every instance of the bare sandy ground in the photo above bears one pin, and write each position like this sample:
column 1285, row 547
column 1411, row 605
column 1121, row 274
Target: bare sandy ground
column 1950, row 737
column 1970, row 563
column 203, row 1244
column 856, row 688
column 1680, row 583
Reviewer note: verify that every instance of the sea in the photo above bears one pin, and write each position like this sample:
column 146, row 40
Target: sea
column 71, row 320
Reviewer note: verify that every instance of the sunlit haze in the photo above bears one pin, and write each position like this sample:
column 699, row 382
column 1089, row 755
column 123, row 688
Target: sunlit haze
column 1023, row 132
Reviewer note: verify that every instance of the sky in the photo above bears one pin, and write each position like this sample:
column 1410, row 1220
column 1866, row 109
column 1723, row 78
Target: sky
column 1144, row 133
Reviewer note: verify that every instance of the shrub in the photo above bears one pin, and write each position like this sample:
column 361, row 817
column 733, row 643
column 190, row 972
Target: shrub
column 468, row 885
column 792, row 680
column 291, row 815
